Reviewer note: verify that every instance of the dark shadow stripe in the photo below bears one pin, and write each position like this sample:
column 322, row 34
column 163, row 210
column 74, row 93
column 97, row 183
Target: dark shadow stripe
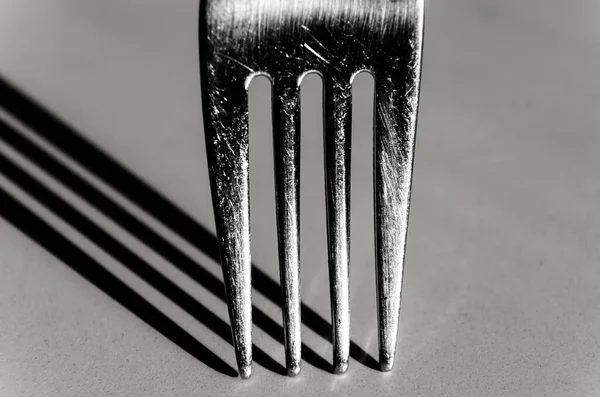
column 55, row 243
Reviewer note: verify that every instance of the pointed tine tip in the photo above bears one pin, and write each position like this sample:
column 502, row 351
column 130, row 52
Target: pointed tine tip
column 294, row 369
column 386, row 365
column 340, row 368
column 245, row 371
column 386, row 361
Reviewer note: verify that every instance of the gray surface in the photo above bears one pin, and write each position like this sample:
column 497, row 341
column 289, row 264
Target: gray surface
column 501, row 286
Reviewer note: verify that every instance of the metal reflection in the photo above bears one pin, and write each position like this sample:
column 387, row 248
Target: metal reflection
column 284, row 40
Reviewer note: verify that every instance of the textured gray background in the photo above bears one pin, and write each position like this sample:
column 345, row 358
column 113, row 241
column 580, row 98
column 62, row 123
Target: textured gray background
column 502, row 276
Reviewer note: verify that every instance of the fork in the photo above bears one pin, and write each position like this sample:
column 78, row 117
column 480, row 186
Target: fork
column 285, row 40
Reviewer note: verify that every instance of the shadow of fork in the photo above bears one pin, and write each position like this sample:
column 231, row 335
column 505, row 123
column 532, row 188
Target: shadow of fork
column 63, row 137
column 87, row 267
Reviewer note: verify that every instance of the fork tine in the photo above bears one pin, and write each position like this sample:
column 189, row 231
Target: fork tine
column 396, row 104
column 336, row 39
column 286, row 144
column 227, row 149
column 338, row 123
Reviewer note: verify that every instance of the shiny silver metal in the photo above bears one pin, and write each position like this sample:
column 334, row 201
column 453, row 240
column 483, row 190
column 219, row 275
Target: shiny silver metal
column 285, row 40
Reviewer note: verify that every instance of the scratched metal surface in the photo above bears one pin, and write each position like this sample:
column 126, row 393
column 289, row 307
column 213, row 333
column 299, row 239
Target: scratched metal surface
column 501, row 278
column 285, row 42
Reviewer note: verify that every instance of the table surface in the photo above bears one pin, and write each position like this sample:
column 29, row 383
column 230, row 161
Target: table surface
column 501, row 283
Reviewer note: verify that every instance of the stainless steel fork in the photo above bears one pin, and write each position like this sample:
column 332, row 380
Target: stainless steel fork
column 285, row 40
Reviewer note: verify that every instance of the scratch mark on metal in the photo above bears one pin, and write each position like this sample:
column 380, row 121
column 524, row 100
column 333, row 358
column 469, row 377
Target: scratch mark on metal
column 321, row 57
column 238, row 62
